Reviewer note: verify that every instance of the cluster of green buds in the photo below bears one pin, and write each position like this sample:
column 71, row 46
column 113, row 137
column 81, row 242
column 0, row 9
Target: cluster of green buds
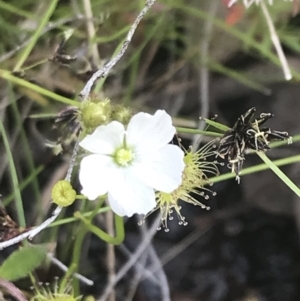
column 84, row 119
column 93, row 113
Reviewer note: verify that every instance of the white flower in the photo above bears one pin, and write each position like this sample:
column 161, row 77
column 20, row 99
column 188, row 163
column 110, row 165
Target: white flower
column 130, row 164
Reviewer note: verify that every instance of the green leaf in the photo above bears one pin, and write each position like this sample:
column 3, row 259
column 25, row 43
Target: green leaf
column 23, row 261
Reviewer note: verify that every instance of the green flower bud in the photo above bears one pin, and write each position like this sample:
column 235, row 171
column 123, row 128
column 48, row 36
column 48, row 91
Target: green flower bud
column 95, row 113
column 121, row 114
column 63, row 193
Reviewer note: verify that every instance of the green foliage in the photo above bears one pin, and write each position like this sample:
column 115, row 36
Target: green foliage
column 22, row 262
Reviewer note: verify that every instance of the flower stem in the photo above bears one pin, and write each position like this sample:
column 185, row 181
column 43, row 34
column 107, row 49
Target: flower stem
column 256, row 168
column 196, row 131
column 76, row 255
column 74, row 219
column 64, row 282
column 119, row 225
column 14, row 177
column 279, row 173
column 5, row 74
column 36, row 35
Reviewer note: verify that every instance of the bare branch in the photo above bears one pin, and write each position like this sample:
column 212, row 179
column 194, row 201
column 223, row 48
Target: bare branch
column 105, row 70
column 160, row 273
column 127, row 266
column 64, row 268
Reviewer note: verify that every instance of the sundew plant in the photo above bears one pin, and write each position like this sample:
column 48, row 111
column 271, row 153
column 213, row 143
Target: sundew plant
column 109, row 122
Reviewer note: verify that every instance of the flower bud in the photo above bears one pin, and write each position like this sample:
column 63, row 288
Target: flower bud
column 121, row 114
column 63, row 193
column 95, row 113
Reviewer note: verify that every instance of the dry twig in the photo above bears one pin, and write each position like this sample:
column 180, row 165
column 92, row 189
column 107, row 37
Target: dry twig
column 106, row 68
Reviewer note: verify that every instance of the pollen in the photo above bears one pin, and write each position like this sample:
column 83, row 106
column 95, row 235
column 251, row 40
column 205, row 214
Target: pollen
column 124, row 156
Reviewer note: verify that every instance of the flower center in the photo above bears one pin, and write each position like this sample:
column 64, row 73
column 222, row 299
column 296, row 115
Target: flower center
column 124, row 156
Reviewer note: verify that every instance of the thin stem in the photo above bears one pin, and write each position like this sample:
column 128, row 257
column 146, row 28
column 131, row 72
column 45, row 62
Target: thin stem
column 72, row 161
column 79, row 243
column 69, row 271
column 105, row 70
column 21, row 82
column 279, row 173
column 46, row 223
column 196, row 131
column 276, row 42
column 91, row 31
column 204, row 71
column 23, row 185
column 74, row 219
column 76, row 254
column 256, row 168
column 14, row 177
column 36, row 35
column 139, row 251
column 28, row 153
column 160, row 273
column 119, row 225
column 111, row 256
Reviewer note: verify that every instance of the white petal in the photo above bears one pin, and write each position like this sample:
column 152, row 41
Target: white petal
column 149, row 133
column 94, row 175
column 128, row 195
column 105, row 139
column 161, row 170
